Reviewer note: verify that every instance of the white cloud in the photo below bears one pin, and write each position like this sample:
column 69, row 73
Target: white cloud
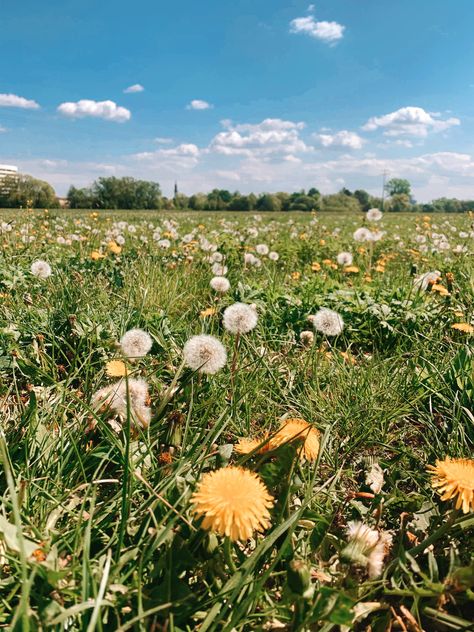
column 410, row 121
column 2, row 129
column 14, row 101
column 342, row 139
column 107, row 110
column 270, row 136
column 329, row 32
column 137, row 87
column 184, row 156
column 161, row 140
column 227, row 175
column 198, row 104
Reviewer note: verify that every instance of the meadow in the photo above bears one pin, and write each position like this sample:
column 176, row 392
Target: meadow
column 181, row 452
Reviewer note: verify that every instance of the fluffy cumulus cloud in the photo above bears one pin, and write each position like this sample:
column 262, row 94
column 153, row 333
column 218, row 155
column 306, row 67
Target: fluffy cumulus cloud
column 329, row 32
column 340, row 140
column 107, row 110
column 136, row 87
column 198, row 104
column 269, row 137
column 184, row 156
column 14, row 101
column 410, row 121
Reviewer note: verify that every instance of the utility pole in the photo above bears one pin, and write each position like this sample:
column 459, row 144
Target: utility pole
column 384, row 175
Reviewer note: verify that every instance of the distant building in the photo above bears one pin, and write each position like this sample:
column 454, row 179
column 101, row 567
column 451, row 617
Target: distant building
column 7, row 171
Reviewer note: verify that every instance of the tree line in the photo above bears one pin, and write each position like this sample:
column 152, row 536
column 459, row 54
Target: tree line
column 129, row 193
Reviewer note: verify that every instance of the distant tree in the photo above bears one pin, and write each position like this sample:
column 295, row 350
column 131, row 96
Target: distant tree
column 181, row 201
column 314, row 192
column 198, row 201
column 304, row 203
column 24, row 191
column 269, row 202
column 399, row 202
column 345, row 191
column 80, row 198
column 364, row 199
column 339, row 202
column 397, row 186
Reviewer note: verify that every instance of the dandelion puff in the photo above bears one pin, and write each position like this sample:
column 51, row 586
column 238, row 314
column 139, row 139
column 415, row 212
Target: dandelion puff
column 378, row 554
column 262, row 249
column 125, row 396
column 136, row 343
column 233, row 502
column 344, row 259
column 41, row 269
column 219, row 269
column 454, row 479
column 367, row 547
column 328, row 322
column 374, row 215
column 273, row 256
column 205, row 354
column 220, row 284
column 375, row 478
column 362, row 234
column 240, row 318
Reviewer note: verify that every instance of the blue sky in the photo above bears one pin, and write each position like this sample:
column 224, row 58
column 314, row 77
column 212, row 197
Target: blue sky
column 253, row 95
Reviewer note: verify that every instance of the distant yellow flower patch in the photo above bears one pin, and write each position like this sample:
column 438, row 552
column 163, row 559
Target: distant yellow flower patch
column 351, row 269
column 464, row 327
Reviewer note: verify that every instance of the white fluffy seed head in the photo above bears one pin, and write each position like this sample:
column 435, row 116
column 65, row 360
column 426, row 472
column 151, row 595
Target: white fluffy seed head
column 374, row 215
column 328, row 322
column 41, row 269
column 219, row 269
column 123, row 396
column 220, row 284
column 344, row 259
column 273, row 256
column 205, row 354
column 240, row 318
column 136, row 343
column 262, row 249
column 362, row 234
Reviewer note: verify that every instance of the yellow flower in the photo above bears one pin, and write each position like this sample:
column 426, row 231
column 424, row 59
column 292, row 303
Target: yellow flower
column 298, row 430
column 233, row 502
column 210, row 311
column 116, row 368
column 351, row 269
column 379, row 268
column 315, row 266
column 437, row 287
column 95, row 255
column 454, row 478
column 464, row 327
column 295, row 276
column 114, row 247
column 246, row 446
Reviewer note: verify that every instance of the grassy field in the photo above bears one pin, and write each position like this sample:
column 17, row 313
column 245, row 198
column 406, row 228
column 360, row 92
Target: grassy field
column 99, row 526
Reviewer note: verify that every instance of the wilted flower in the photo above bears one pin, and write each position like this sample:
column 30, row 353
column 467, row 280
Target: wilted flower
column 307, row 338
column 367, row 547
column 41, row 269
column 136, row 343
column 220, row 284
column 240, row 318
column 205, row 354
column 233, row 502
column 328, row 322
column 454, row 478
column 428, row 278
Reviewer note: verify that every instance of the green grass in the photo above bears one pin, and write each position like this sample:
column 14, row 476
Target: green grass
column 97, row 527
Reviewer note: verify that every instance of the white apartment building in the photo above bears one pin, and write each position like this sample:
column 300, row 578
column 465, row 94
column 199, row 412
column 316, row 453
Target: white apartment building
column 8, row 170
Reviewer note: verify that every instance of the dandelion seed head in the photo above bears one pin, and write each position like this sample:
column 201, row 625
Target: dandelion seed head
column 328, row 322
column 41, row 269
column 220, row 284
column 240, row 318
column 136, row 343
column 205, row 354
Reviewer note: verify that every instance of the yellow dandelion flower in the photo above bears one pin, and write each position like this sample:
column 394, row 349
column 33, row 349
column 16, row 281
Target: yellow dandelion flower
column 464, row 327
column 233, row 502
column 454, row 478
column 295, row 276
column 116, row 368
column 245, row 446
column 114, row 247
column 298, row 430
column 315, row 266
column 95, row 255
column 351, row 269
column 379, row 268
column 210, row 311
column 437, row 287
